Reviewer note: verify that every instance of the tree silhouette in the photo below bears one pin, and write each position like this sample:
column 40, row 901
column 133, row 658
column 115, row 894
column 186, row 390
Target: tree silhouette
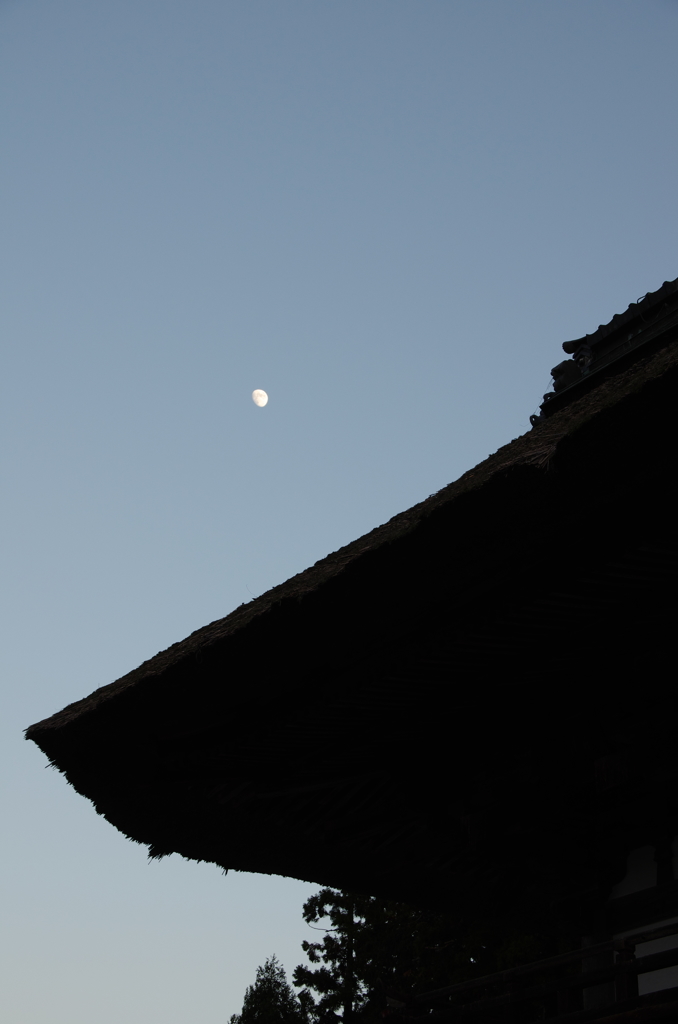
column 271, row 1000
column 339, row 982
column 375, row 955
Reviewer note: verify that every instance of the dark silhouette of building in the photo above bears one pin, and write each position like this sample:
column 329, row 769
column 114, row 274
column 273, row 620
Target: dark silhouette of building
column 475, row 705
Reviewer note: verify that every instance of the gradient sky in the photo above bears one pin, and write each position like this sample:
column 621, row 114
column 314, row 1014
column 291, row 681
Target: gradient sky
column 388, row 215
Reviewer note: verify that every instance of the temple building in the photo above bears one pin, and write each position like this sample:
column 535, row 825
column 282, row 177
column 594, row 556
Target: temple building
column 474, row 706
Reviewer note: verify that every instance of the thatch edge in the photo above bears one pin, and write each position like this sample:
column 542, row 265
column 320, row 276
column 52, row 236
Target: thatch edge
column 534, row 448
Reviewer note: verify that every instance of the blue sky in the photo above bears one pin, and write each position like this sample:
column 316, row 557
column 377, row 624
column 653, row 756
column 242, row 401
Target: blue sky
column 388, row 215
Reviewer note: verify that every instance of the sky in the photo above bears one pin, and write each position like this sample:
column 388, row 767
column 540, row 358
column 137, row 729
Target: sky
column 388, row 214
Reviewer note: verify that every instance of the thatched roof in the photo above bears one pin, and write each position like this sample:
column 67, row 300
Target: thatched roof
column 420, row 714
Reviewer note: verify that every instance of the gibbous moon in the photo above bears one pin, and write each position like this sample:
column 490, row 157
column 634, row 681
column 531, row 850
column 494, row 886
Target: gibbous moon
column 259, row 398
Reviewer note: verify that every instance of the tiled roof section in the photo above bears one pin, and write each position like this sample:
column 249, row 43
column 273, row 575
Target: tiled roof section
column 644, row 306
column 645, row 327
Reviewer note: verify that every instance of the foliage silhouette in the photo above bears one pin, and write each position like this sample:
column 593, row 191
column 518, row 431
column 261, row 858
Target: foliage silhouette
column 376, row 953
column 271, row 1000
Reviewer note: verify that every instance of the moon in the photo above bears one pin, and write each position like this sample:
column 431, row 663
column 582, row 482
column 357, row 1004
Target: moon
column 259, row 398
